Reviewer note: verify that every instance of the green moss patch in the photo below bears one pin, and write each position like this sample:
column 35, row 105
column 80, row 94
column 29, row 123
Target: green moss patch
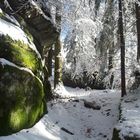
column 1, row 15
column 21, row 99
column 18, row 118
column 20, row 54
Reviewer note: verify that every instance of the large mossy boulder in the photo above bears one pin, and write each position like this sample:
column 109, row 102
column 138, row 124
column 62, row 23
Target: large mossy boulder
column 21, row 99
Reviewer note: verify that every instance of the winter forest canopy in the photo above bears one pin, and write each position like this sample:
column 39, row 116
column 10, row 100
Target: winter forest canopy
column 70, row 70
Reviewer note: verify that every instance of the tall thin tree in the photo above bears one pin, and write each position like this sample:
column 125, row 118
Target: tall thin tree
column 137, row 8
column 58, row 63
column 58, row 48
column 111, row 42
column 122, row 46
column 49, row 62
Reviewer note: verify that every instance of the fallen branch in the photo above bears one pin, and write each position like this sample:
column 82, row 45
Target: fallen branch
column 67, row 131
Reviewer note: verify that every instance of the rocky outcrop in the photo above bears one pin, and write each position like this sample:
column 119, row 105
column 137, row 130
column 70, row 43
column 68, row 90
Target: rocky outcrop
column 40, row 26
column 22, row 98
column 24, row 87
column 20, row 54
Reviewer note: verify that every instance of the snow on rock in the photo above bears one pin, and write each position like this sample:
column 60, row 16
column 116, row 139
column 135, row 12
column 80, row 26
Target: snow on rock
column 39, row 9
column 15, row 32
column 1, row 11
column 68, row 119
column 6, row 62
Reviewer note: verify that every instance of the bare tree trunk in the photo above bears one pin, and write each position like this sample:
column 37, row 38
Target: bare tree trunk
column 58, row 63
column 47, row 85
column 58, row 48
column 97, row 5
column 122, row 45
column 111, row 33
column 49, row 63
column 110, row 63
column 138, row 30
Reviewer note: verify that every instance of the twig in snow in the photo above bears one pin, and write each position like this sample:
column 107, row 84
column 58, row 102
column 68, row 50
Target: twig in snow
column 67, row 131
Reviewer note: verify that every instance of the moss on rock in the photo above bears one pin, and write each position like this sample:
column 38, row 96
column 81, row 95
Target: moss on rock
column 21, row 99
column 18, row 118
column 1, row 15
column 20, row 53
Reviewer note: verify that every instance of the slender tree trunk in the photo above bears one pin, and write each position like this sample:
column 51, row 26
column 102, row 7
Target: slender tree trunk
column 49, row 63
column 110, row 63
column 137, row 7
column 47, row 85
column 122, row 45
column 58, row 63
column 111, row 51
column 97, row 5
column 58, row 48
column 111, row 46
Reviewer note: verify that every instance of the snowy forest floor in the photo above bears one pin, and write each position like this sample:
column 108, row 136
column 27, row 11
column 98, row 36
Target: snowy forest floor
column 69, row 119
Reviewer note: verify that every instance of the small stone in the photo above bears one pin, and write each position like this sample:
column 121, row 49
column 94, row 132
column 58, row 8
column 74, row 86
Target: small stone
column 76, row 100
column 92, row 105
column 74, row 105
column 108, row 113
column 108, row 110
column 136, row 106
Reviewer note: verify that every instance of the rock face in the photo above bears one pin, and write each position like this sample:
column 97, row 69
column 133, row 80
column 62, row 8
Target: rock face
column 39, row 25
column 22, row 99
column 20, row 54
column 22, row 76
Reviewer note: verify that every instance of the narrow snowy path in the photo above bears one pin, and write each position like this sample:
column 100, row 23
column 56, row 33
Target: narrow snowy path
column 69, row 119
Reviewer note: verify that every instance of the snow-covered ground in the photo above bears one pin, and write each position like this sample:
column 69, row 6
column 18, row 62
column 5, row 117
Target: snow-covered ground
column 129, row 124
column 69, row 119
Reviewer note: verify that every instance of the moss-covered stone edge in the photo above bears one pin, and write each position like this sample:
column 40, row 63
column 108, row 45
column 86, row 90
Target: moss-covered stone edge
column 20, row 53
column 19, row 111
